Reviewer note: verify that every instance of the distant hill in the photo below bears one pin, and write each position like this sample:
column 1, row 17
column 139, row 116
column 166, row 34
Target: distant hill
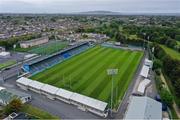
column 124, row 13
column 99, row 13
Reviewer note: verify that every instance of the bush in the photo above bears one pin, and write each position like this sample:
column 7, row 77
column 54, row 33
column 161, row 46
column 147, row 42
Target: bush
column 14, row 106
column 159, row 84
column 157, row 64
column 166, row 97
column 158, row 71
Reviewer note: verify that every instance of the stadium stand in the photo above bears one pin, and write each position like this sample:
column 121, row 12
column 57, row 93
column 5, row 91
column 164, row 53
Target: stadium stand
column 83, row 102
column 40, row 64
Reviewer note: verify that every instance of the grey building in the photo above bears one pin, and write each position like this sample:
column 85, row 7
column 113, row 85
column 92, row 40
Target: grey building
column 7, row 96
column 143, row 108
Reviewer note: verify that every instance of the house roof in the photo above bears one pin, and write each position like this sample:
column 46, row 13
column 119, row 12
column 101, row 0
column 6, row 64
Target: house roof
column 9, row 94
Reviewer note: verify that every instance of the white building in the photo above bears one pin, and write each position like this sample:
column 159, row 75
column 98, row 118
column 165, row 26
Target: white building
column 7, row 95
column 142, row 86
column 117, row 43
column 23, row 83
column 148, row 63
column 90, row 104
column 144, row 71
column 34, row 42
column 5, row 54
column 35, row 86
column 49, row 91
column 2, row 49
column 143, row 108
column 64, row 95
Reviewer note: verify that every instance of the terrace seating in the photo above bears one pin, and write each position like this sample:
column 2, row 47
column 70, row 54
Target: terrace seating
column 56, row 58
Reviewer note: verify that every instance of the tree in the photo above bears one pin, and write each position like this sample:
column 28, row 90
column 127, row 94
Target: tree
column 85, row 36
column 166, row 97
column 14, row 106
column 177, row 87
column 157, row 64
column 120, row 37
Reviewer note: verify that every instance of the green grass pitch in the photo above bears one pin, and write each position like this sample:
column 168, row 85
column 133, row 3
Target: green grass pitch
column 86, row 73
column 46, row 49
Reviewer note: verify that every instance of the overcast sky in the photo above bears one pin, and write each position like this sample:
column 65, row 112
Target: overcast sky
column 68, row 6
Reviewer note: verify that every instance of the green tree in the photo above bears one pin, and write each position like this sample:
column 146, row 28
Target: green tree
column 120, row 37
column 14, row 106
column 157, row 64
column 166, row 97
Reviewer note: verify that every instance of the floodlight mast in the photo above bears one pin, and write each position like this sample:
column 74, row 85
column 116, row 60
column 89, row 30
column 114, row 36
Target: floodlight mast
column 112, row 72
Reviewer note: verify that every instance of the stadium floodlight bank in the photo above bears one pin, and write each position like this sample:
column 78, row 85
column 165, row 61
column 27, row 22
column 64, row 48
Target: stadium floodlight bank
column 88, row 104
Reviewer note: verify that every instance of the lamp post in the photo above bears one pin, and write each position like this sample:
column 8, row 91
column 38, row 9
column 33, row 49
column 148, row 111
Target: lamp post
column 144, row 34
column 112, row 72
column 2, row 76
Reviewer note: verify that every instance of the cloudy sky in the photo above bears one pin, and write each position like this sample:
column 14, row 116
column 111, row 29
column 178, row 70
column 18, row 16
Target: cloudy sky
column 68, row 6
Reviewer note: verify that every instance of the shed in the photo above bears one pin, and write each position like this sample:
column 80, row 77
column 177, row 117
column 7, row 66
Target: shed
column 144, row 71
column 142, row 86
column 5, row 54
column 148, row 63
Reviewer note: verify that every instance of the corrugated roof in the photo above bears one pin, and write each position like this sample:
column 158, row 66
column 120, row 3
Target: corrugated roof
column 36, row 85
column 144, row 108
column 148, row 62
column 144, row 71
column 91, row 102
column 64, row 93
column 142, row 86
column 50, row 89
column 6, row 96
column 24, row 81
column 9, row 94
column 1, row 88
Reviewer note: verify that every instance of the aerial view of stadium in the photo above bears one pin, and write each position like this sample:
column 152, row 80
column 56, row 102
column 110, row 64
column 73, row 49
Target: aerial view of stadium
column 86, row 73
column 90, row 59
